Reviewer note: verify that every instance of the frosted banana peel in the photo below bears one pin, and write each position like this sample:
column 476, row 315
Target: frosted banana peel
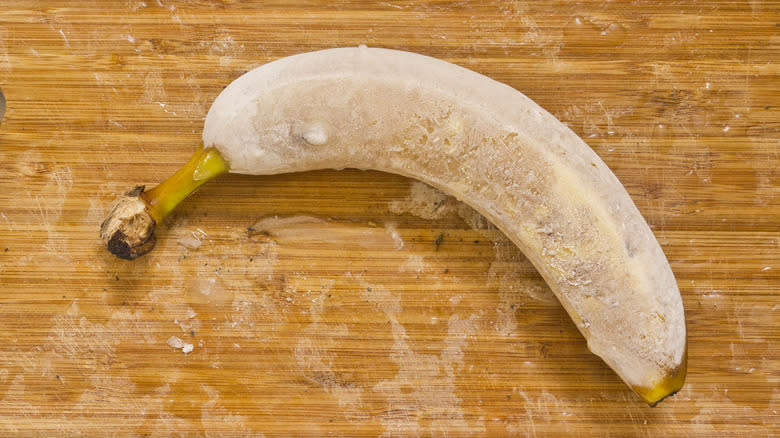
column 473, row 138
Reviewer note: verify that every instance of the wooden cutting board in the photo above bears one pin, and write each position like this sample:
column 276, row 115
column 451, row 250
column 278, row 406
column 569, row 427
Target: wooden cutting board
column 372, row 305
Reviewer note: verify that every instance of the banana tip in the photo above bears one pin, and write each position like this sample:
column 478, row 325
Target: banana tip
column 128, row 230
column 667, row 387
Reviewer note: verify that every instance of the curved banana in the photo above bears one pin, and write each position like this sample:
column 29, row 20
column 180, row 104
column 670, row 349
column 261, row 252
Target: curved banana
column 474, row 138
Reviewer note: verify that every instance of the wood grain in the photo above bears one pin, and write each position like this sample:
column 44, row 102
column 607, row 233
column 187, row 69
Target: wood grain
column 373, row 306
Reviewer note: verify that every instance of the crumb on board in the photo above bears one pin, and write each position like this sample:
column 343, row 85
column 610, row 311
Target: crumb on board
column 177, row 343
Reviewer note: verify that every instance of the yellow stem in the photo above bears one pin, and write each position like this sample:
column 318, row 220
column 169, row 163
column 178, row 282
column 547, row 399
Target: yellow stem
column 205, row 165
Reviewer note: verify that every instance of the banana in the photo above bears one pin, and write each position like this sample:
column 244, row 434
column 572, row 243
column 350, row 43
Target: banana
column 474, row 138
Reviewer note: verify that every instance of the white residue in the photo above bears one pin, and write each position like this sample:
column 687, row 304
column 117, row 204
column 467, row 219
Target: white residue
column 164, row 108
column 398, row 242
column 67, row 43
column 177, row 343
column 206, row 286
column 190, row 242
column 188, row 324
column 414, row 263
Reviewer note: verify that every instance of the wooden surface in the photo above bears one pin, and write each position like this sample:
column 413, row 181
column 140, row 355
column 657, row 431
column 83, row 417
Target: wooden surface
column 373, row 305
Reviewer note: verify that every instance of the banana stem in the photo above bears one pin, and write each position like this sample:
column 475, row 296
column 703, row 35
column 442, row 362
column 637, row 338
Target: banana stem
column 205, row 165
column 128, row 230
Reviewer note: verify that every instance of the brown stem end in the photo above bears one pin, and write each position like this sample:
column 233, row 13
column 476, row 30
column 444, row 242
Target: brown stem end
column 128, row 230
